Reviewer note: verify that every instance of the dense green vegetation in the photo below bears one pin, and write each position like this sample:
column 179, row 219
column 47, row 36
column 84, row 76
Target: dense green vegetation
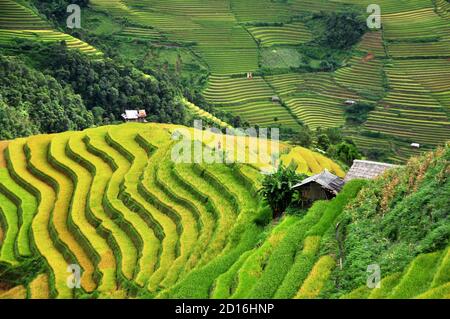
column 397, row 218
column 358, row 113
column 110, row 88
column 277, row 188
column 57, row 9
column 32, row 102
column 341, row 30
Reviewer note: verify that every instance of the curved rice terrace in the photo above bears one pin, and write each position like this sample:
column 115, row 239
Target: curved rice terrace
column 18, row 22
column 112, row 201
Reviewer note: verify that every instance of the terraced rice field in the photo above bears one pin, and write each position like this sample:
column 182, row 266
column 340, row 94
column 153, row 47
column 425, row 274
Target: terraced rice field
column 225, row 46
column 112, row 201
column 288, row 34
column 259, row 11
column 205, row 115
column 403, row 68
column 20, row 23
column 411, row 110
column 251, row 99
column 315, row 99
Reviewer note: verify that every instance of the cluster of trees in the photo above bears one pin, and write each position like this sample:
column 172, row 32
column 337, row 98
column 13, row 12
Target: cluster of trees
column 66, row 90
column 329, row 140
column 358, row 113
column 341, row 30
column 56, row 10
column 32, row 102
column 108, row 88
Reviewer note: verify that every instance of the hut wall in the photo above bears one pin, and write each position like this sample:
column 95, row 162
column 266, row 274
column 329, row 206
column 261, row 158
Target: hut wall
column 313, row 192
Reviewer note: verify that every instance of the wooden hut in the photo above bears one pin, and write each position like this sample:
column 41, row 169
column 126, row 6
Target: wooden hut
column 321, row 186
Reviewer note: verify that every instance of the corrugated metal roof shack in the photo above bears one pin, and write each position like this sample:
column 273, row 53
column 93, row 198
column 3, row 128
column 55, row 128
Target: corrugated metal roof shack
column 321, row 186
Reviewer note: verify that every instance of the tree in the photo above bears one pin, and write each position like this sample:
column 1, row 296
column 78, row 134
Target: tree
column 358, row 113
column 14, row 122
column 342, row 29
column 347, row 153
column 377, row 154
column 334, row 134
column 34, row 102
column 323, row 142
column 277, row 188
column 303, row 137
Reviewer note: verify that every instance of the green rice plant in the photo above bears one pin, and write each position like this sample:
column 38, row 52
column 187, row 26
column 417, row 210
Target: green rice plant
column 17, row 165
column 93, row 174
column 250, row 272
column 260, row 11
column 136, row 229
column 224, row 285
column 417, row 277
column 78, row 219
column 9, row 222
column 303, row 263
column 184, row 240
column 288, row 34
column 198, row 283
column 247, row 98
column 216, row 203
column 360, row 293
column 164, row 227
column 316, row 279
column 442, row 275
column 440, row 292
column 59, row 191
column 205, row 222
column 282, row 258
column 386, row 285
column 188, row 218
column 20, row 22
column 26, row 208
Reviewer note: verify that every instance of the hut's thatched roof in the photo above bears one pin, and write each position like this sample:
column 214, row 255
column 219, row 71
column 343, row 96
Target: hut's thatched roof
column 325, row 179
column 366, row 170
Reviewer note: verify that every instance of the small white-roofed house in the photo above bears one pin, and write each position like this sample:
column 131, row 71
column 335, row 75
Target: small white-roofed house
column 134, row 115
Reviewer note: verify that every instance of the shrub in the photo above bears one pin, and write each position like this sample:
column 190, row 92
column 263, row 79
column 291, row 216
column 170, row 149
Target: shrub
column 277, row 188
column 263, row 216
